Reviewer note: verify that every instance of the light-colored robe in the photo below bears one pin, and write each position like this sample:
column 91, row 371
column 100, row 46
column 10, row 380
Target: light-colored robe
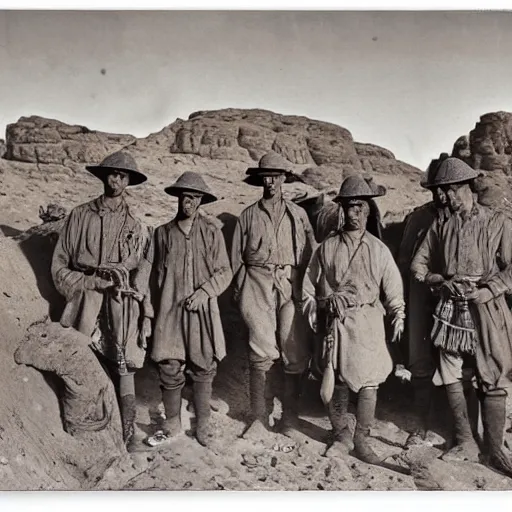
column 183, row 264
column 361, row 356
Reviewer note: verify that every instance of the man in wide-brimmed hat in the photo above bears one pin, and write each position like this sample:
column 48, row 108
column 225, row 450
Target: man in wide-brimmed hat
column 101, row 265
column 467, row 260
column 347, row 276
column 192, row 270
column 272, row 244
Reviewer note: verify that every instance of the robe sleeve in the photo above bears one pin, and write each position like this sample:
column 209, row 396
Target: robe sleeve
column 222, row 274
column 238, row 247
column 311, row 279
column 392, row 286
column 421, row 264
column 67, row 281
column 143, row 274
column 501, row 282
column 310, row 243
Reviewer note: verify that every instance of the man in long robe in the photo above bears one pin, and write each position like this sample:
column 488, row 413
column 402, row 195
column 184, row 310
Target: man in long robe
column 101, row 265
column 272, row 244
column 192, row 270
column 468, row 260
column 348, row 275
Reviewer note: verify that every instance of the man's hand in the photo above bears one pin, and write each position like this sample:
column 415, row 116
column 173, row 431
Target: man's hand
column 145, row 332
column 402, row 374
column 97, row 283
column 398, row 324
column 480, row 295
column 196, row 300
column 434, row 280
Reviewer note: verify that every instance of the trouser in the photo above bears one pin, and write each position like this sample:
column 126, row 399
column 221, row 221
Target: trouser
column 172, row 373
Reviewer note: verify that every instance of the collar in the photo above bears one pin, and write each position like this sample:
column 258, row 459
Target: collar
column 99, row 206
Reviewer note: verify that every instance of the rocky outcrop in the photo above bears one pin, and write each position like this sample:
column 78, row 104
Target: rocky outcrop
column 38, row 140
column 489, row 144
column 236, row 135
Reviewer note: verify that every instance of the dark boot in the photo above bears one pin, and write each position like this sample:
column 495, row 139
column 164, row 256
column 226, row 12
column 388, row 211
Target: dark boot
column 494, row 417
column 128, row 414
column 259, row 411
column 172, row 405
column 290, row 404
column 473, row 406
column 366, row 404
column 337, row 410
column 423, row 389
column 202, row 397
column 465, row 448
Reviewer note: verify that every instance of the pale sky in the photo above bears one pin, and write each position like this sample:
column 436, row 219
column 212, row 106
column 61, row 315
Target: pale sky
column 412, row 82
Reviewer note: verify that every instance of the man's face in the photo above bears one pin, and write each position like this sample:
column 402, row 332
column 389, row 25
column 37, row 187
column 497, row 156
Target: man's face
column 458, row 194
column 116, row 183
column 356, row 213
column 439, row 196
column 189, row 203
column 272, row 185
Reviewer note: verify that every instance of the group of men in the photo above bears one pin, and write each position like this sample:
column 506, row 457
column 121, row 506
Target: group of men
column 308, row 307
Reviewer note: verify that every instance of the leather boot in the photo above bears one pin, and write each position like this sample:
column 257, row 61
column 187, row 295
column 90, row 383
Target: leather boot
column 465, row 448
column 172, row 405
column 202, row 397
column 423, row 389
column 494, row 417
column 337, row 410
column 128, row 414
column 473, row 405
column 290, row 417
column 259, row 411
column 366, row 404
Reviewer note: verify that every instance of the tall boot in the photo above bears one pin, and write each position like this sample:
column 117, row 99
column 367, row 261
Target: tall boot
column 473, row 406
column 172, row 405
column 465, row 448
column 259, row 423
column 494, row 417
column 128, row 407
column 202, row 397
column 423, row 390
column 290, row 404
column 366, row 404
column 337, row 410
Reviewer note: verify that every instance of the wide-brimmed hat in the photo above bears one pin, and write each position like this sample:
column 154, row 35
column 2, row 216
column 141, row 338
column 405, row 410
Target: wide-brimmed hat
column 358, row 187
column 191, row 181
column 429, row 178
column 121, row 161
column 453, row 170
column 272, row 164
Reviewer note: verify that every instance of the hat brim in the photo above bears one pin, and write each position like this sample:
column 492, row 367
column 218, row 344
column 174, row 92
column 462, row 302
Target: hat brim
column 101, row 172
column 176, row 191
column 379, row 193
column 461, row 180
column 255, row 176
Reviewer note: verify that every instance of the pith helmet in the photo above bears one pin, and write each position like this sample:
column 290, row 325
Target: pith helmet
column 429, row 179
column 453, row 170
column 272, row 164
column 357, row 186
column 191, row 182
column 121, row 161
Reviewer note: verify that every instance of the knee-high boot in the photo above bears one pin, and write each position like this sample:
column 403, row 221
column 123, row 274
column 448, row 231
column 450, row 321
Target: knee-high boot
column 128, row 407
column 172, row 405
column 465, row 448
column 366, row 404
column 337, row 410
column 202, row 397
column 423, row 390
column 290, row 404
column 494, row 417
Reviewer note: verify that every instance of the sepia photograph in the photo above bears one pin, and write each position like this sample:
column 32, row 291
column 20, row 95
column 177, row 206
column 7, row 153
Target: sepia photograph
column 255, row 250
